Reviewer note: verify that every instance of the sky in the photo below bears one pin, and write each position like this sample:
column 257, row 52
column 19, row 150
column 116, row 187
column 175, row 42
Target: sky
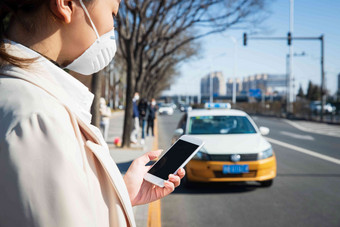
column 312, row 18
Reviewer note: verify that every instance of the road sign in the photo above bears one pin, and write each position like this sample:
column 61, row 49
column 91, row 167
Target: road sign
column 255, row 92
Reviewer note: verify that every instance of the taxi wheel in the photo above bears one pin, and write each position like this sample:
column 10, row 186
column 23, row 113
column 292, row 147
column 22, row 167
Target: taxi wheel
column 267, row 183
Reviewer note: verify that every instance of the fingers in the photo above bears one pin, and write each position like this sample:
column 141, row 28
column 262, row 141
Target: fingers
column 175, row 179
column 181, row 173
column 168, row 187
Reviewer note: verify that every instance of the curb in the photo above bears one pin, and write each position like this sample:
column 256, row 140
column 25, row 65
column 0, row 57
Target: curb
column 154, row 212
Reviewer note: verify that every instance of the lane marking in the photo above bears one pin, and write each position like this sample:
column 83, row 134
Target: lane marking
column 328, row 130
column 297, row 136
column 154, row 212
column 305, row 151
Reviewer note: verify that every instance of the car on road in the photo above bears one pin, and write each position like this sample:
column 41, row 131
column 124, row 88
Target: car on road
column 315, row 107
column 166, row 108
column 185, row 108
column 235, row 149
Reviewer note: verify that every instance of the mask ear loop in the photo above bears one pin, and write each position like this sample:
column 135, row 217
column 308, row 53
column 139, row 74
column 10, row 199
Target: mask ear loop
column 88, row 15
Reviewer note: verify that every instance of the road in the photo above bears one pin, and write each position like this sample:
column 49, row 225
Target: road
column 306, row 191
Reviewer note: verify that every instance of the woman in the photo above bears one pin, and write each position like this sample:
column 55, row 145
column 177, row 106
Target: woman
column 152, row 109
column 105, row 114
column 55, row 167
column 142, row 109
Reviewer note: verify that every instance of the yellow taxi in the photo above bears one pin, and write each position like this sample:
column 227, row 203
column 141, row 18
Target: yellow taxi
column 234, row 150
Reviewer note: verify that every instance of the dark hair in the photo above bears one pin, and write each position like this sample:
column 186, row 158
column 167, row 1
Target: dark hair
column 23, row 11
column 8, row 10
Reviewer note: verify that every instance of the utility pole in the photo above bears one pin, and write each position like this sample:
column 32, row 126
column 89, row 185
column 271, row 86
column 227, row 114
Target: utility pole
column 323, row 90
column 289, row 39
column 287, row 82
column 288, row 56
column 234, row 69
column 211, row 100
column 235, row 66
column 199, row 97
column 211, row 88
column 290, row 79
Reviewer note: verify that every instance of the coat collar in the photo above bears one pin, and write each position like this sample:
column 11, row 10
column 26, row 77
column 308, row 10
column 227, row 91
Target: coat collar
column 71, row 92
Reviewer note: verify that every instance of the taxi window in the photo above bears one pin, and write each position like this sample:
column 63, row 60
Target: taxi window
column 220, row 125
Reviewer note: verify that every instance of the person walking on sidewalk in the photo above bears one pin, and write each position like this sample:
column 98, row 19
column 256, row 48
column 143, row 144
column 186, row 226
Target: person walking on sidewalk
column 135, row 118
column 142, row 108
column 105, row 114
column 152, row 109
column 55, row 167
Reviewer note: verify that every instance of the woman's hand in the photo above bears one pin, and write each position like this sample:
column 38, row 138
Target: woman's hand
column 142, row 191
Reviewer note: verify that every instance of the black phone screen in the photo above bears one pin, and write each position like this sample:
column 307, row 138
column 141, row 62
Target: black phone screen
column 173, row 159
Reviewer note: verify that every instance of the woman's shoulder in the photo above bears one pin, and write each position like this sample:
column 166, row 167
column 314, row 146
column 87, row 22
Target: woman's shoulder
column 20, row 99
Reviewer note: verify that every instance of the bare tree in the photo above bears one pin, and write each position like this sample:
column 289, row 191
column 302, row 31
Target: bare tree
column 154, row 34
column 96, row 87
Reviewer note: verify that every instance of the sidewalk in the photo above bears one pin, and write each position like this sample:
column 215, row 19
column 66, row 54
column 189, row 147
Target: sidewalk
column 124, row 158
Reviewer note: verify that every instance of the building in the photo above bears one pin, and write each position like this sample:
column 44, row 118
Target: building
column 218, row 83
column 268, row 83
column 230, row 84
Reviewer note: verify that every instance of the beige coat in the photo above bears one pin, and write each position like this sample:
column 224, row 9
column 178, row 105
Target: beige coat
column 55, row 169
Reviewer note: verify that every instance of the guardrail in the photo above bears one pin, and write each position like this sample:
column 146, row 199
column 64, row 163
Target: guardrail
column 302, row 111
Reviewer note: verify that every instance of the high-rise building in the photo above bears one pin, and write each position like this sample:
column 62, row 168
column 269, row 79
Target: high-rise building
column 266, row 83
column 218, row 84
column 230, row 86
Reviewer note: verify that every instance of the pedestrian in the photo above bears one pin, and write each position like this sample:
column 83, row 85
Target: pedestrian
column 152, row 109
column 135, row 119
column 55, row 167
column 105, row 114
column 142, row 108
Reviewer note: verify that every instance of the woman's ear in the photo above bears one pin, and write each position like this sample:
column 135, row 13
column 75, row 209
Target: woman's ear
column 62, row 9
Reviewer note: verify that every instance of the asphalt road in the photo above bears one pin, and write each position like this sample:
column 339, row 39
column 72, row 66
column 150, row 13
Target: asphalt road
column 306, row 191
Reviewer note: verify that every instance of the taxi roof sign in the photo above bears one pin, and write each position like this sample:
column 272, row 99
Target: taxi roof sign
column 210, row 105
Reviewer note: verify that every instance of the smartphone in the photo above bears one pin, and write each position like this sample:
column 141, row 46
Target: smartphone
column 178, row 155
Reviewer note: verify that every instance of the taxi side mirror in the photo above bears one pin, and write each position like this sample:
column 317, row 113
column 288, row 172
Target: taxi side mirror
column 179, row 132
column 264, row 131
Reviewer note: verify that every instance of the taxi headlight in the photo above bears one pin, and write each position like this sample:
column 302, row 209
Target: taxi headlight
column 265, row 154
column 202, row 155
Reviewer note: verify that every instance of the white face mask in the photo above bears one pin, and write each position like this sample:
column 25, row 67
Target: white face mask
column 153, row 103
column 137, row 97
column 98, row 55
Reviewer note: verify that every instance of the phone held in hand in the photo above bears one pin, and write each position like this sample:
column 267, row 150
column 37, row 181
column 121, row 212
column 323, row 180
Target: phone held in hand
column 178, row 155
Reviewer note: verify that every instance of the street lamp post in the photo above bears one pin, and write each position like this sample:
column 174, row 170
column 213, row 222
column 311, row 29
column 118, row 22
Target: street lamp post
column 234, row 69
column 290, row 82
column 234, row 40
column 211, row 85
column 290, row 79
column 323, row 95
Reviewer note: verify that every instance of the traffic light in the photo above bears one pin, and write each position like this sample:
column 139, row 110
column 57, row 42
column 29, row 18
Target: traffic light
column 244, row 39
column 289, row 38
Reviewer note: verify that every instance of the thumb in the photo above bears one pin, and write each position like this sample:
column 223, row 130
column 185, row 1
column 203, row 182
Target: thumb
column 149, row 156
column 154, row 154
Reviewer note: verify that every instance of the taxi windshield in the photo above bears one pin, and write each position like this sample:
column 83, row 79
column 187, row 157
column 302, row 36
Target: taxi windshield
column 220, row 125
